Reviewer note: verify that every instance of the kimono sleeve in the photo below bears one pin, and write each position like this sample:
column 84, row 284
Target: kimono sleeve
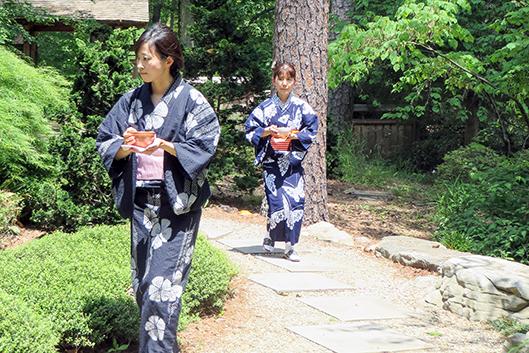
column 254, row 127
column 309, row 129
column 202, row 133
column 109, row 138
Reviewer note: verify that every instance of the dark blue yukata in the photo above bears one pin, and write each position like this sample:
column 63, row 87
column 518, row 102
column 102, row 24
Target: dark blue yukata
column 282, row 170
column 164, row 214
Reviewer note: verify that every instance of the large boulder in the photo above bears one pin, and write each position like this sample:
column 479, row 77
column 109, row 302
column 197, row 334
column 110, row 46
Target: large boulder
column 415, row 252
column 485, row 288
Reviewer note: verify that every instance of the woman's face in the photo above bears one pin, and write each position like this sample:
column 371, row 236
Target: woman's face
column 150, row 65
column 283, row 83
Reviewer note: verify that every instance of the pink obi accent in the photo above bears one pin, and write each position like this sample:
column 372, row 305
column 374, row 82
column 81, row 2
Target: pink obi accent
column 150, row 166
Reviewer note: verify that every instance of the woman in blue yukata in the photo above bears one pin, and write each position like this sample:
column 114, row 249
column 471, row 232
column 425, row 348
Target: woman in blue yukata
column 282, row 128
column 161, row 184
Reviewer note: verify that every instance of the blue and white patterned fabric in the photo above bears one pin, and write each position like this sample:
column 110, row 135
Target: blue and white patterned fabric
column 282, row 170
column 164, row 214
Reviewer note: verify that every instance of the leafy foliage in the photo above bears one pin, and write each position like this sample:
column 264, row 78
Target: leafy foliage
column 10, row 207
column 440, row 73
column 32, row 99
column 79, row 283
column 232, row 50
column 10, row 29
column 488, row 212
column 207, row 288
column 105, row 65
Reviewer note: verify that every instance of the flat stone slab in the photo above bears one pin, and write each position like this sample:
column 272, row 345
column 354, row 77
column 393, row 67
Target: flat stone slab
column 307, row 263
column 355, row 308
column 214, row 228
column 295, row 282
column 359, row 338
column 328, row 232
column 248, row 245
column 415, row 252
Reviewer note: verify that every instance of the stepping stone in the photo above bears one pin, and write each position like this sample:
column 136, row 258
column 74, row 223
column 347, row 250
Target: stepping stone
column 214, row 228
column 247, row 246
column 359, row 338
column 355, row 308
column 294, row 282
column 307, row 263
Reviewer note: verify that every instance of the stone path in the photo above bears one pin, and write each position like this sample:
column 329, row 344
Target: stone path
column 324, row 301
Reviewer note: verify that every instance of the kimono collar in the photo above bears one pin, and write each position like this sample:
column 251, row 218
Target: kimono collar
column 282, row 105
column 171, row 87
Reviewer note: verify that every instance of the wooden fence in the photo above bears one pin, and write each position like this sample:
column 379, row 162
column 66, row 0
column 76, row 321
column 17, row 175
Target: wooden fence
column 385, row 137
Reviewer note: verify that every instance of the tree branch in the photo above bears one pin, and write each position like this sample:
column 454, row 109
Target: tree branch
column 523, row 111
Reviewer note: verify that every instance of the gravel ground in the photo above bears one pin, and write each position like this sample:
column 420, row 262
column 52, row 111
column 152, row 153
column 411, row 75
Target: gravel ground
column 256, row 318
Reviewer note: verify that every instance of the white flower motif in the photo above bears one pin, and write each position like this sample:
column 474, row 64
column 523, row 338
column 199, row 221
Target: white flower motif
column 153, row 121
column 283, row 119
column 155, row 327
column 197, row 96
column 270, row 183
column 298, row 154
column 296, row 122
column 297, row 193
column 177, row 277
column 177, row 91
column 161, row 232
column 191, row 121
column 291, row 216
column 258, row 113
column 149, row 218
column 307, row 109
column 275, row 218
column 188, row 255
column 162, row 290
column 283, row 163
column 296, row 100
column 270, row 111
column 136, row 111
column 181, row 203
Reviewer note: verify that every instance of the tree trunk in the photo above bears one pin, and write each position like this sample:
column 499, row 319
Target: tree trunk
column 341, row 99
column 185, row 20
column 301, row 37
column 156, row 10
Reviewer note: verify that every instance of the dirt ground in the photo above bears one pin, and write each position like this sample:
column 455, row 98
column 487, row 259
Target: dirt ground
column 374, row 219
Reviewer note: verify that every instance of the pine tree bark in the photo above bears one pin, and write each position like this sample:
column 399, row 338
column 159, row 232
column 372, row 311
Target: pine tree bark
column 341, row 99
column 301, row 37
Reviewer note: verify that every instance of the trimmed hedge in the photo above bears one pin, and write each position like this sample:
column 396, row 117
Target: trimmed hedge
column 22, row 330
column 79, row 283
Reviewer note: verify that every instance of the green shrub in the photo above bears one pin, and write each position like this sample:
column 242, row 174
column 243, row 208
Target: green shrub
column 62, row 275
column 79, row 283
column 461, row 163
column 234, row 156
column 22, row 330
column 208, row 283
column 10, row 208
column 491, row 210
column 31, row 98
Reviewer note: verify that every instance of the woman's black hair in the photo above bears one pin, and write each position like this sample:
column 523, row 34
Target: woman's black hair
column 285, row 67
column 164, row 40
